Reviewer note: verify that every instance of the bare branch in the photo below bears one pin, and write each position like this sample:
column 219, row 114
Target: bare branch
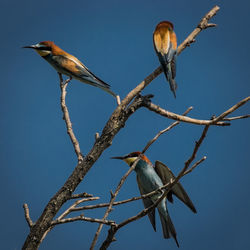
column 81, row 217
column 201, row 26
column 113, row 196
column 236, row 118
column 82, row 195
column 115, row 123
column 182, row 118
column 231, row 110
column 195, row 165
column 27, row 214
column 70, row 209
column 215, row 121
column 114, row 228
column 63, row 86
column 164, row 131
column 118, row 99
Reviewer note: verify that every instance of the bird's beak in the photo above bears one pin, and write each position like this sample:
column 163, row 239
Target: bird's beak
column 118, row 157
column 30, row 47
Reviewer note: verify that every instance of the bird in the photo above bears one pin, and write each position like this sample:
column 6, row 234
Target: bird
column 66, row 64
column 151, row 177
column 165, row 45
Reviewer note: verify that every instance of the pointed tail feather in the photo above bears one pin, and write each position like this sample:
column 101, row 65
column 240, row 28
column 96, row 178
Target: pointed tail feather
column 98, row 84
column 173, row 86
column 168, row 227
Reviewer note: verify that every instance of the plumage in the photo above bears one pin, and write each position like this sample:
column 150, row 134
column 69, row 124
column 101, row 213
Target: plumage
column 69, row 65
column 150, row 178
column 166, row 175
column 165, row 45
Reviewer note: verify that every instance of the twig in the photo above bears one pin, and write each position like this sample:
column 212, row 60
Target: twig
column 164, row 131
column 112, row 127
column 236, row 118
column 82, row 195
column 182, row 118
column 63, row 86
column 114, row 228
column 191, row 38
column 171, row 184
column 67, row 211
column 195, row 165
column 70, row 209
column 27, row 214
column 101, row 205
column 97, row 136
column 232, row 109
column 215, row 121
column 81, row 217
column 118, row 99
column 203, row 24
column 112, row 201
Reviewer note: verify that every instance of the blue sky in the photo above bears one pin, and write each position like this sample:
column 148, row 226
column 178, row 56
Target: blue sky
column 114, row 40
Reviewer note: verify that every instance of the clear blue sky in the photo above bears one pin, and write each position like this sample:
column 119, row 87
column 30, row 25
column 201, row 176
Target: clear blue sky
column 114, row 40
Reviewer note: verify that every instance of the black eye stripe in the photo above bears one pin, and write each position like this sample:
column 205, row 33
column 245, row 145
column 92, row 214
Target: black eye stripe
column 132, row 155
column 44, row 48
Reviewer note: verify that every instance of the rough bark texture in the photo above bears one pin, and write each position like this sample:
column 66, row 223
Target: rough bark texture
column 115, row 123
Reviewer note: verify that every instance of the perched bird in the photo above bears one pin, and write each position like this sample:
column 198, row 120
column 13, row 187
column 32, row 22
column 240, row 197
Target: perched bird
column 150, row 178
column 165, row 44
column 69, row 65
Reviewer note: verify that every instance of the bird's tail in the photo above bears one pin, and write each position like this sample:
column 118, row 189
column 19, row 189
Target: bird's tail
column 107, row 89
column 168, row 227
column 173, row 86
column 94, row 81
column 170, row 78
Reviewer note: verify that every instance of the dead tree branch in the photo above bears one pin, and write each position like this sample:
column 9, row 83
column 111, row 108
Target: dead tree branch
column 164, row 131
column 83, row 218
column 112, row 200
column 132, row 102
column 27, row 214
column 114, row 228
column 66, row 118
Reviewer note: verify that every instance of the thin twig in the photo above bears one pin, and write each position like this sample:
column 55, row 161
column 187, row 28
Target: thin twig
column 236, row 118
column 164, row 131
column 195, row 165
column 67, row 211
column 171, row 184
column 27, row 214
column 66, row 117
column 118, row 99
column 113, row 196
column 216, row 121
column 232, row 109
column 114, row 228
column 81, row 217
column 155, row 108
column 82, row 195
column 203, row 24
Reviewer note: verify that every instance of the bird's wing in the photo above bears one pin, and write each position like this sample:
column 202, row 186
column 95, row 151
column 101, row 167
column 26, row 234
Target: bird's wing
column 72, row 66
column 166, row 175
column 147, row 203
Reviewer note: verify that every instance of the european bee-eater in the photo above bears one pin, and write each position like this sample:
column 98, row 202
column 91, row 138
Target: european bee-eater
column 150, row 178
column 165, row 44
column 69, row 65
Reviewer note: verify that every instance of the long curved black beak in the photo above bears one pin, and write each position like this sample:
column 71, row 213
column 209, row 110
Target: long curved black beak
column 30, row 47
column 118, row 157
